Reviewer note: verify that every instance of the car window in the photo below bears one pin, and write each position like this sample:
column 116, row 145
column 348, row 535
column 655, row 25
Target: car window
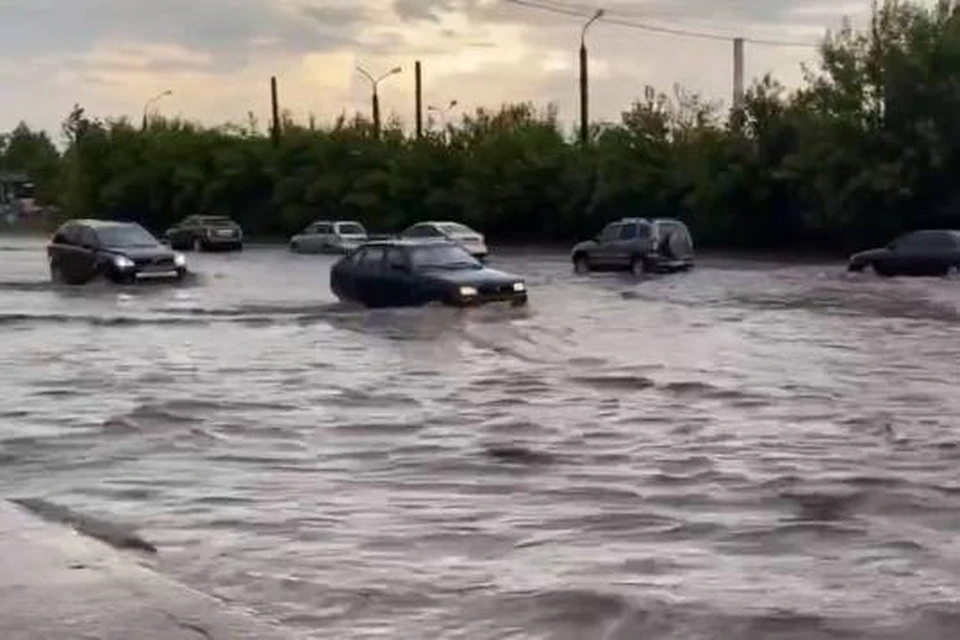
column 610, row 233
column 87, row 237
column 940, row 241
column 216, row 221
column 670, row 229
column 350, row 229
column 924, row 241
column 443, row 256
column 396, row 258
column 126, row 235
column 64, row 235
column 456, row 228
column 932, row 241
column 322, row 228
column 372, row 257
column 628, row 231
column 420, row 231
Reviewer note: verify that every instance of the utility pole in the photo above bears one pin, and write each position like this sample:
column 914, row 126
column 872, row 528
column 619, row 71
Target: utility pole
column 275, row 128
column 584, row 81
column 375, row 82
column 738, row 89
column 419, row 87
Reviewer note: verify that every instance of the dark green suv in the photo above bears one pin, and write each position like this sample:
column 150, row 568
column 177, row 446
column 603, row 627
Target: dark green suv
column 637, row 245
column 205, row 233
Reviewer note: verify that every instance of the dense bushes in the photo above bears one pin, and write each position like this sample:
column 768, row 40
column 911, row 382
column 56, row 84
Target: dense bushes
column 869, row 146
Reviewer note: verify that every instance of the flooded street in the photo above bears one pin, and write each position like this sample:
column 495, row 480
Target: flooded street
column 750, row 450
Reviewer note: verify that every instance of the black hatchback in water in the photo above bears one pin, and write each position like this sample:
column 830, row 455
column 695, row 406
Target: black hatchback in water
column 404, row 273
column 928, row 252
column 122, row 252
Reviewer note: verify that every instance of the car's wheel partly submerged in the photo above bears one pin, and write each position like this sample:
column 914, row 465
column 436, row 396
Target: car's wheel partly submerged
column 197, row 245
column 581, row 265
column 638, row 267
column 56, row 274
column 879, row 270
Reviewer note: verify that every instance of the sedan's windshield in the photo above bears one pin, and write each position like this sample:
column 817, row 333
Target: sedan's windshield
column 442, row 256
column 128, row 235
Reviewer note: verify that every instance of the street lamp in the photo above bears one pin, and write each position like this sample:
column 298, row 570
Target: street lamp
column 156, row 98
column 443, row 111
column 584, row 95
column 375, row 82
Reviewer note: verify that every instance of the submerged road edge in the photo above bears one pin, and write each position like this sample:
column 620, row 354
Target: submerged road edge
column 58, row 584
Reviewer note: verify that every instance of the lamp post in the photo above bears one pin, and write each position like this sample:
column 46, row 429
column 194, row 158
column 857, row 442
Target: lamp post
column 150, row 102
column 443, row 113
column 584, row 91
column 375, row 83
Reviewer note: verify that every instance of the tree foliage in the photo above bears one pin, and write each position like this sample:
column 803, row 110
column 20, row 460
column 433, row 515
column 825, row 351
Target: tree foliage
column 867, row 147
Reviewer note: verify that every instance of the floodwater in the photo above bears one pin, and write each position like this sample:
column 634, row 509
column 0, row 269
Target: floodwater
column 751, row 450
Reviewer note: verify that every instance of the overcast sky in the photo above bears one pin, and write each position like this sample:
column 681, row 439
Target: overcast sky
column 217, row 55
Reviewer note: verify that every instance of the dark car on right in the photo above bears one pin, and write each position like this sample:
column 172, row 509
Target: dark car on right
column 927, row 252
column 638, row 245
column 205, row 233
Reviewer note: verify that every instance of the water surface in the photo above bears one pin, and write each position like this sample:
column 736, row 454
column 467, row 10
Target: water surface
column 751, row 450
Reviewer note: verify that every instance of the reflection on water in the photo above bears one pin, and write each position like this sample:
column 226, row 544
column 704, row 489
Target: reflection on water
column 745, row 451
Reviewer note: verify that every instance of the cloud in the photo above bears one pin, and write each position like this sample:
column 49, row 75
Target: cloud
column 218, row 55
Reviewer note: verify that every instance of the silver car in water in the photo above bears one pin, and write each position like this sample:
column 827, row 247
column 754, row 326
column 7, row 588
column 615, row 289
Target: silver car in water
column 472, row 241
column 329, row 236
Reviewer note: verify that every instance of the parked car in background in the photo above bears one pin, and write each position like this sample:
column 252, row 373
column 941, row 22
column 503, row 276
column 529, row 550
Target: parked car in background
column 329, row 236
column 472, row 241
column 637, row 245
column 402, row 273
column 928, row 252
column 205, row 233
column 122, row 252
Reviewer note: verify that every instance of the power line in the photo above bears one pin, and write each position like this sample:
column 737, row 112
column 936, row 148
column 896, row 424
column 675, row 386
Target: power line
column 674, row 31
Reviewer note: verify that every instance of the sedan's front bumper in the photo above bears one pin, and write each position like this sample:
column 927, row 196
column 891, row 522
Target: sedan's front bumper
column 514, row 298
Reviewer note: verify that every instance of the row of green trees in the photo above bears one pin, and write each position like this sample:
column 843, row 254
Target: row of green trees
column 869, row 146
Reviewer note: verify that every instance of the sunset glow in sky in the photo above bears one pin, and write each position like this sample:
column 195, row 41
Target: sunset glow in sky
column 217, row 55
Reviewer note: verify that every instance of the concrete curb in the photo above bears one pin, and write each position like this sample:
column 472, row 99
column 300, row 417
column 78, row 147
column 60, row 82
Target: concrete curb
column 56, row 584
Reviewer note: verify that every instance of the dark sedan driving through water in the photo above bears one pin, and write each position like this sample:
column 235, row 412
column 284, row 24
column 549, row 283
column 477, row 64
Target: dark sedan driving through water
column 404, row 273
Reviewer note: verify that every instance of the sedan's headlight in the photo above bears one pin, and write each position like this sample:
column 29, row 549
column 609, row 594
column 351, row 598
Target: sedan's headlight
column 519, row 287
column 468, row 292
column 123, row 262
column 179, row 260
